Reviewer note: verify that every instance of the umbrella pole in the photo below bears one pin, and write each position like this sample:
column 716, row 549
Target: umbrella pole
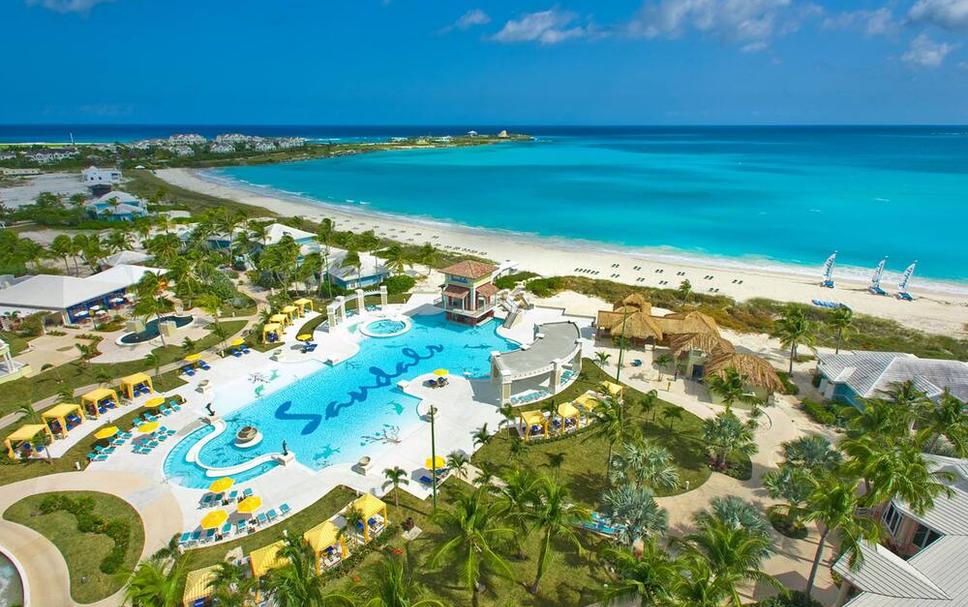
column 433, row 456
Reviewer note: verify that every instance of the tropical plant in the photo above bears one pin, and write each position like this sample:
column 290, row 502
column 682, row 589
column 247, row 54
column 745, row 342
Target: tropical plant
column 155, row 583
column 794, row 329
column 726, row 434
column 641, row 462
column 481, row 436
column 458, row 461
column 555, row 460
column 671, row 415
column 841, row 320
column 29, row 415
column 473, row 532
column 515, row 498
column 649, row 403
column 730, row 387
column 834, row 506
column 734, row 512
column 395, row 476
column 295, row 584
column 651, row 576
column 602, row 357
column 613, row 424
column 231, row 585
column 553, row 515
column 947, row 419
column 634, row 512
column 392, row 583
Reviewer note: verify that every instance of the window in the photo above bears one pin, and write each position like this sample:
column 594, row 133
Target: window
column 924, row 536
column 892, row 518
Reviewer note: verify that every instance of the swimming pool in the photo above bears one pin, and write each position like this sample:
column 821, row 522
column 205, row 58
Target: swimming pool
column 151, row 329
column 338, row 414
column 11, row 586
column 385, row 327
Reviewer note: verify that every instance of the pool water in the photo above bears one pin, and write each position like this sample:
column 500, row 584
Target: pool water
column 385, row 327
column 151, row 329
column 11, row 586
column 340, row 413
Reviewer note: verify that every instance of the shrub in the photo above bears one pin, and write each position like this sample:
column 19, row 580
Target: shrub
column 546, row 287
column 780, row 523
column 401, row 283
column 789, row 598
column 510, row 280
column 88, row 522
column 819, row 412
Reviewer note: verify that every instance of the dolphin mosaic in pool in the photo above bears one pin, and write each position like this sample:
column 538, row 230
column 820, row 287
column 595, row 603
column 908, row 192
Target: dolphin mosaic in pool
column 341, row 412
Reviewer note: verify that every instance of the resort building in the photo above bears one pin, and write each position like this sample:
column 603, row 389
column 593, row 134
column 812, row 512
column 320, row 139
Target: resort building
column 550, row 364
column 117, row 206
column 371, row 270
column 71, row 297
column 925, row 558
column 468, row 294
column 306, row 240
column 850, row 377
column 95, row 176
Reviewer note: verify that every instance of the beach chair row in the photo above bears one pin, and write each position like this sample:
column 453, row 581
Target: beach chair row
column 190, row 539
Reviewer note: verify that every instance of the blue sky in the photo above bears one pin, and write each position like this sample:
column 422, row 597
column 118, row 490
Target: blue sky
column 494, row 62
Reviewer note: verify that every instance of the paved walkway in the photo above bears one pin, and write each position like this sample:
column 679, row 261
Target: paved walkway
column 47, row 574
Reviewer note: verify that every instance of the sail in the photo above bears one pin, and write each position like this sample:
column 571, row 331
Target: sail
column 828, row 266
column 878, row 272
column 907, row 276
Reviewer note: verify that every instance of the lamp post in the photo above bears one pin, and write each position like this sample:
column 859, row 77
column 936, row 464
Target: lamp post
column 433, row 456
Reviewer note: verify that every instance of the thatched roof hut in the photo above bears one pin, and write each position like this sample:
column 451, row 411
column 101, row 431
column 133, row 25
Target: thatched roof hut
column 609, row 318
column 635, row 300
column 757, row 371
column 638, row 326
column 704, row 342
column 687, row 322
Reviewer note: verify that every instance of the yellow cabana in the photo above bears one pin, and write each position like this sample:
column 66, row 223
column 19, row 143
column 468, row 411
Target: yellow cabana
column 270, row 328
column 568, row 411
column 134, row 382
column 63, row 415
column 587, row 402
column 94, row 401
column 302, row 303
column 265, row 559
column 369, row 506
column 614, row 390
column 24, row 434
column 198, row 585
column 324, row 537
column 533, row 418
column 282, row 319
column 291, row 311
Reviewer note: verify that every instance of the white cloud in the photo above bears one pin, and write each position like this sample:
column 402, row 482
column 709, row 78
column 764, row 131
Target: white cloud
column 948, row 14
column 749, row 23
column 876, row 22
column 471, row 18
column 546, row 27
column 925, row 52
column 67, row 6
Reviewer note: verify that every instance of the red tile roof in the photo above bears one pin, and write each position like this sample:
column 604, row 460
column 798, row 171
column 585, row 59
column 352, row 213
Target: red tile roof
column 487, row 289
column 470, row 269
column 456, row 291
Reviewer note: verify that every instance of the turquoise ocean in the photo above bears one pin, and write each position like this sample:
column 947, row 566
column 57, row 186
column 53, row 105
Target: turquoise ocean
column 755, row 195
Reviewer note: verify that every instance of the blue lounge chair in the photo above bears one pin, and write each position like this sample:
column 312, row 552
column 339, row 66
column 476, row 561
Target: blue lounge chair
column 247, row 493
column 263, row 519
column 188, row 371
column 100, row 458
column 240, row 526
column 245, row 349
column 207, row 500
column 209, row 534
column 233, row 495
column 236, row 352
column 176, row 406
column 91, row 456
column 285, row 509
column 204, row 365
column 185, row 537
column 226, row 528
column 271, row 514
column 196, row 535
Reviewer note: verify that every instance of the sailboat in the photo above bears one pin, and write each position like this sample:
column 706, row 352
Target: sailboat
column 903, row 284
column 875, row 287
column 828, row 271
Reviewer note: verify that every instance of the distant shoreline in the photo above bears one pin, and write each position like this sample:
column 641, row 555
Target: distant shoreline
column 941, row 307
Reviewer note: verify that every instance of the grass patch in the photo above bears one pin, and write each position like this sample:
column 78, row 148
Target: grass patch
column 146, row 185
column 16, row 342
column 75, row 375
column 758, row 316
column 82, row 551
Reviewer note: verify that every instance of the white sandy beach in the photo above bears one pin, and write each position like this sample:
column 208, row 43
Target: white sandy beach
column 937, row 310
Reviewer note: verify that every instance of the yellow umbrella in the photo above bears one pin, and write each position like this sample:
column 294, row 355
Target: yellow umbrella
column 441, row 372
column 238, row 341
column 250, row 504
column 193, row 358
column 106, row 432
column 221, row 484
column 305, row 337
column 148, row 428
column 435, row 464
column 214, row 519
column 155, row 402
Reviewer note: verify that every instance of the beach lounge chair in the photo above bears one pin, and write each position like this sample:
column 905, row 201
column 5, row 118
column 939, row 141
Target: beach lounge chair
column 189, row 371
column 263, row 518
column 175, row 406
column 209, row 535
column 91, row 456
column 206, row 500
column 227, row 528
column 204, row 365
column 240, row 526
column 245, row 349
column 247, row 493
column 185, row 538
column 232, row 496
column 196, row 535
column 284, row 509
column 271, row 514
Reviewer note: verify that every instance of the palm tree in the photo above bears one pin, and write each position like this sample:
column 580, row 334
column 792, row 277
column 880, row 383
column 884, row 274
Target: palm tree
column 395, row 259
column 296, row 584
column 649, row 403
column 153, row 360
column 28, row 414
column 458, row 461
column 63, row 247
column 150, row 300
column 231, row 586
column 945, row 418
column 793, row 329
column 633, row 509
column 395, row 476
column 812, row 452
column 473, row 533
column 834, row 506
column 650, row 576
column 734, row 554
column 641, row 462
column 730, row 387
column 697, row 585
column 663, row 360
column 554, row 515
column 671, row 415
column 427, row 255
column 352, row 260
column 481, row 436
column 555, row 460
column 155, row 583
column 601, row 357
column 841, row 320
column 734, row 512
column 726, row 434
column 613, row 425
column 392, row 583
column 515, row 498
column 510, row 415
column 806, row 459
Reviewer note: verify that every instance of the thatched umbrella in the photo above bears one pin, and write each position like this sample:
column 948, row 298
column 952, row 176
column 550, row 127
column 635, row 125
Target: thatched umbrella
column 639, row 326
column 704, row 342
column 635, row 300
column 755, row 370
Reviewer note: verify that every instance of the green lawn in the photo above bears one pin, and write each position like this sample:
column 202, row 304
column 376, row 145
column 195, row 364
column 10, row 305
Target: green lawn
column 83, row 552
column 145, row 184
column 17, row 343
column 24, row 391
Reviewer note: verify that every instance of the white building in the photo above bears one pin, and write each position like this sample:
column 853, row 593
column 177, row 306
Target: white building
column 183, row 150
column 850, row 377
column 186, row 139
column 48, row 156
column 222, row 148
column 371, row 270
column 96, row 176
